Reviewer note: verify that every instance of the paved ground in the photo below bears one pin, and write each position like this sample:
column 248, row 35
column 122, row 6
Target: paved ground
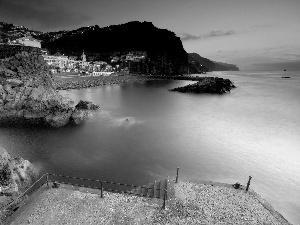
column 191, row 203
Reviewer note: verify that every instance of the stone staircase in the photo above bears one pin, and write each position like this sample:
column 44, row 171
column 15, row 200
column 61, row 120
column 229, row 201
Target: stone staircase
column 153, row 190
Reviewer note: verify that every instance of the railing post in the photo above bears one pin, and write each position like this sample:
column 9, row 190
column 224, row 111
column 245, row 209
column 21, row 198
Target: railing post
column 165, row 196
column 101, row 189
column 248, row 184
column 47, row 179
column 177, row 175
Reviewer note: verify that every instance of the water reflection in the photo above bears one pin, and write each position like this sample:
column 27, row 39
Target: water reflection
column 252, row 131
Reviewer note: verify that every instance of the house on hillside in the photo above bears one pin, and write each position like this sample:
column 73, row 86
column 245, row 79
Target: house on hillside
column 135, row 57
column 129, row 57
column 28, row 41
column 56, row 60
column 115, row 59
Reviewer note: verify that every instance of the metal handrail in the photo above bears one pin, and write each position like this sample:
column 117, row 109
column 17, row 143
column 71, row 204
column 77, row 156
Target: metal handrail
column 31, row 188
column 103, row 181
column 24, row 193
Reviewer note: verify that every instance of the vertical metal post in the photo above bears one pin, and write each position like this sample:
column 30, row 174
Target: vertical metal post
column 177, row 175
column 47, row 179
column 248, row 184
column 165, row 196
column 101, row 189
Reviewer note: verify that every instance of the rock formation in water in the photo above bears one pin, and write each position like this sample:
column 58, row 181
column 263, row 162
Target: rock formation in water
column 16, row 174
column 28, row 94
column 86, row 105
column 211, row 85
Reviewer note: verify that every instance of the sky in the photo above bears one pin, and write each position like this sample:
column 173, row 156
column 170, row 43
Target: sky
column 252, row 34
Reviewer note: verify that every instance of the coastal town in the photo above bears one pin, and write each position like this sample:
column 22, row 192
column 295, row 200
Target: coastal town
column 40, row 74
column 61, row 63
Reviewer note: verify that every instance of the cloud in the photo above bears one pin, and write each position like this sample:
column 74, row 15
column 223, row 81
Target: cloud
column 42, row 15
column 188, row 37
column 262, row 26
column 218, row 33
column 292, row 56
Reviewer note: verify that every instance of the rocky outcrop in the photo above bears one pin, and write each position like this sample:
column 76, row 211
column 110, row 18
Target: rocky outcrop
column 78, row 116
column 165, row 52
column 28, row 94
column 16, row 173
column 86, row 105
column 211, row 85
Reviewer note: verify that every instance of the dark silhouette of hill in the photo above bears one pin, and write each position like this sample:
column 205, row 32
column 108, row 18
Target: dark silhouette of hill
column 165, row 53
column 164, row 50
column 211, row 65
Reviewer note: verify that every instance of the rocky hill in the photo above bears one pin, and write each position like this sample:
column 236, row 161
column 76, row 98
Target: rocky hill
column 211, row 65
column 28, row 94
column 164, row 50
column 165, row 53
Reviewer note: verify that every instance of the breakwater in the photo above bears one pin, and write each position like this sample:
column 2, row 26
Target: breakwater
column 87, row 82
column 211, row 85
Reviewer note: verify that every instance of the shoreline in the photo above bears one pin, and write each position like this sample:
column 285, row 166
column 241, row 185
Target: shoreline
column 69, row 81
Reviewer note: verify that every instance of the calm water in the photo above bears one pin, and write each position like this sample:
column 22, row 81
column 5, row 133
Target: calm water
column 255, row 130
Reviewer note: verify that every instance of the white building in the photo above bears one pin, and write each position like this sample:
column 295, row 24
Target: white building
column 57, row 61
column 63, row 61
column 28, row 41
column 84, row 63
column 102, row 73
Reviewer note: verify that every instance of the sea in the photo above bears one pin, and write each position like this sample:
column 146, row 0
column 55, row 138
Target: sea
column 143, row 132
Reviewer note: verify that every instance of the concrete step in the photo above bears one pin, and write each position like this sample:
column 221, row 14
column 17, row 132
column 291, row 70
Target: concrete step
column 156, row 189
column 163, row 187
column 138, row 190
column 144, row 190
column 150, row 192
column 153, row 190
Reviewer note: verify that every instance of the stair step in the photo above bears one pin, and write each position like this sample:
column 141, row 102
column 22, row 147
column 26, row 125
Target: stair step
column 131, row 191
column 163, row 186
column 150, row 190
column 138, row 190
column 144, row 190
column 156, row 189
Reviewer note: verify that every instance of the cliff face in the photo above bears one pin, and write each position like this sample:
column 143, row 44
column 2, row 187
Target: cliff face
column 211, row 65
column 16, row 174
column 27, row 94
column 164, row 49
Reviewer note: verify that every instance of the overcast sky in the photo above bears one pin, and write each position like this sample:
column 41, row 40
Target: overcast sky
column 253, row 34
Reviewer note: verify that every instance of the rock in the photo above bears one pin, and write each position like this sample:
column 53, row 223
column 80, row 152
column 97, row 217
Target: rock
column 211, row 85
column 55, row 185
column 86, row 105
column 28, row 94
column 14, row 82
column 59, row 120
column 16, row 174
column 79, row 116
